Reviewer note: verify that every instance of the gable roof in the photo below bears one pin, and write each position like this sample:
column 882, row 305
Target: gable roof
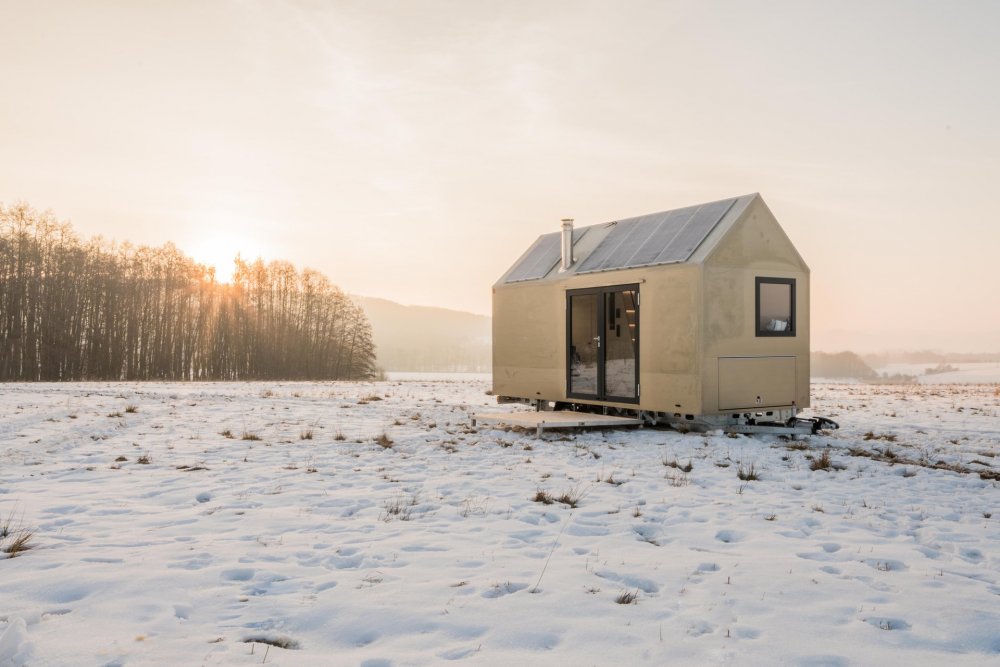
column 668, row 237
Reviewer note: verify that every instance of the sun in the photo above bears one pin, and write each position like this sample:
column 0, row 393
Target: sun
column 220, row 234
column 219, row 251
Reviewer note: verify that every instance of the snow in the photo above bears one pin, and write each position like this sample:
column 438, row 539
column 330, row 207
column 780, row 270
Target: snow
column 430, row 549
column 967, row 373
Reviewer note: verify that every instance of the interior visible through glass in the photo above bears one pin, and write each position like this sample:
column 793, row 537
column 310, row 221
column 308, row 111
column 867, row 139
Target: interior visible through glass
column 584, row 351
column 775, row 307
column 622, row 343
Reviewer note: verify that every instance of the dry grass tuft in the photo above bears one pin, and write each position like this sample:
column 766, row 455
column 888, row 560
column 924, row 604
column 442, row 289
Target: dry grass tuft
column 821, row 463
column 543, row 497
column 384, row 441
column 20, row 542
column 628, row 597
column 676, row 480
column 15, row 539
column 570, row 498
column 398, row 508
column 672, row 463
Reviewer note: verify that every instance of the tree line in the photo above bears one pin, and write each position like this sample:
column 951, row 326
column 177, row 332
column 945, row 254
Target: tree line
column 95, row 310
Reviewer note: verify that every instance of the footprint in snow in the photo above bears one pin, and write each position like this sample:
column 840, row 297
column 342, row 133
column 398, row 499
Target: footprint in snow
column 729, row 536
column 886, row 623
column 457, row 653
column 536, row 519
column 587, row 530
column 886, row 565
column 423, row 547
column 65, row 509
column 345, row 562
column 971, row 555
column 933, row 554
column 648, row 534
column 745, row 633
column 699, row 628
column 196, row 562
column 645, row 585
column 238, row 574
column 822, row 661
column 506, row 588
column 527, row 536
column 66, row 593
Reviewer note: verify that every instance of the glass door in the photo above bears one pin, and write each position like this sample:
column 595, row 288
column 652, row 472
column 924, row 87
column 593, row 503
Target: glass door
column 621, row 351
column 584, row 344
column 603, row 343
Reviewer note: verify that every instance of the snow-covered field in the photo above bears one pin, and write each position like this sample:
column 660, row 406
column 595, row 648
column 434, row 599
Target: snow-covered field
column 429, row 548
column 965, row 373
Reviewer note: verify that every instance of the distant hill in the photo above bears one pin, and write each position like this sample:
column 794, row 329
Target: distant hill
column 840, row 365
column 850, row 365
column 424, row 338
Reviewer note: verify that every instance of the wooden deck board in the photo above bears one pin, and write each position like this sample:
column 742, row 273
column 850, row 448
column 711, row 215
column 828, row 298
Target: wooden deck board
column 554, row 419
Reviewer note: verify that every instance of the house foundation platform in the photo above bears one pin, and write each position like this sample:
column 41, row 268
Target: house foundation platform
column 554, row 419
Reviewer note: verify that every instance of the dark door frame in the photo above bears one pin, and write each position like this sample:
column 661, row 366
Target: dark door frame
column 601, row 315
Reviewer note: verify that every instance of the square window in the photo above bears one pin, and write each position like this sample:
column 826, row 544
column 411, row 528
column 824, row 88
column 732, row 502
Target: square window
column 775, row 306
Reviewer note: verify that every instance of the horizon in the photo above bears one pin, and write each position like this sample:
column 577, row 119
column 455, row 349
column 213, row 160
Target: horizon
column 413, row 153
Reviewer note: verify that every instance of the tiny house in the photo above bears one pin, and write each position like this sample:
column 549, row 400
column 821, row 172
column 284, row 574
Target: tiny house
column 698, row 314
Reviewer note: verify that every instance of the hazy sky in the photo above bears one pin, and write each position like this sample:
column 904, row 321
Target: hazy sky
column 412, row 150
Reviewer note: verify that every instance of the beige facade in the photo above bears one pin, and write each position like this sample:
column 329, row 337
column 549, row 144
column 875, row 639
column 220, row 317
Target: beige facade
column 700, row 341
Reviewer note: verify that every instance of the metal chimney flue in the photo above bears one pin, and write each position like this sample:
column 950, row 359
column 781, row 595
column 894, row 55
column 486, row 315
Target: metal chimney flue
column 567, row 243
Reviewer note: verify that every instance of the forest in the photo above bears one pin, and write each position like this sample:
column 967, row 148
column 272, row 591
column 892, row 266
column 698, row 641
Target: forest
column 73, row 309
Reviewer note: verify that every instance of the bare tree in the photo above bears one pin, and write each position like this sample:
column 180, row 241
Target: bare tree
column 94, row 310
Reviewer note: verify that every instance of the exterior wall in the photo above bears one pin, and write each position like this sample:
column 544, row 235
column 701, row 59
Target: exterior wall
column 755, row 246
column 529, row 336
column 529, row 340
column 690, row 316
column 670, row 339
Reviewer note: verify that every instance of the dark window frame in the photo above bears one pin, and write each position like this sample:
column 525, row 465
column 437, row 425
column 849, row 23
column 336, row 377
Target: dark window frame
column 792, row 327
column 601, row 315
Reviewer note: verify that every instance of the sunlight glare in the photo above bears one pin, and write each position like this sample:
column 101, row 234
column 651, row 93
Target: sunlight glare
column 219, row 250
